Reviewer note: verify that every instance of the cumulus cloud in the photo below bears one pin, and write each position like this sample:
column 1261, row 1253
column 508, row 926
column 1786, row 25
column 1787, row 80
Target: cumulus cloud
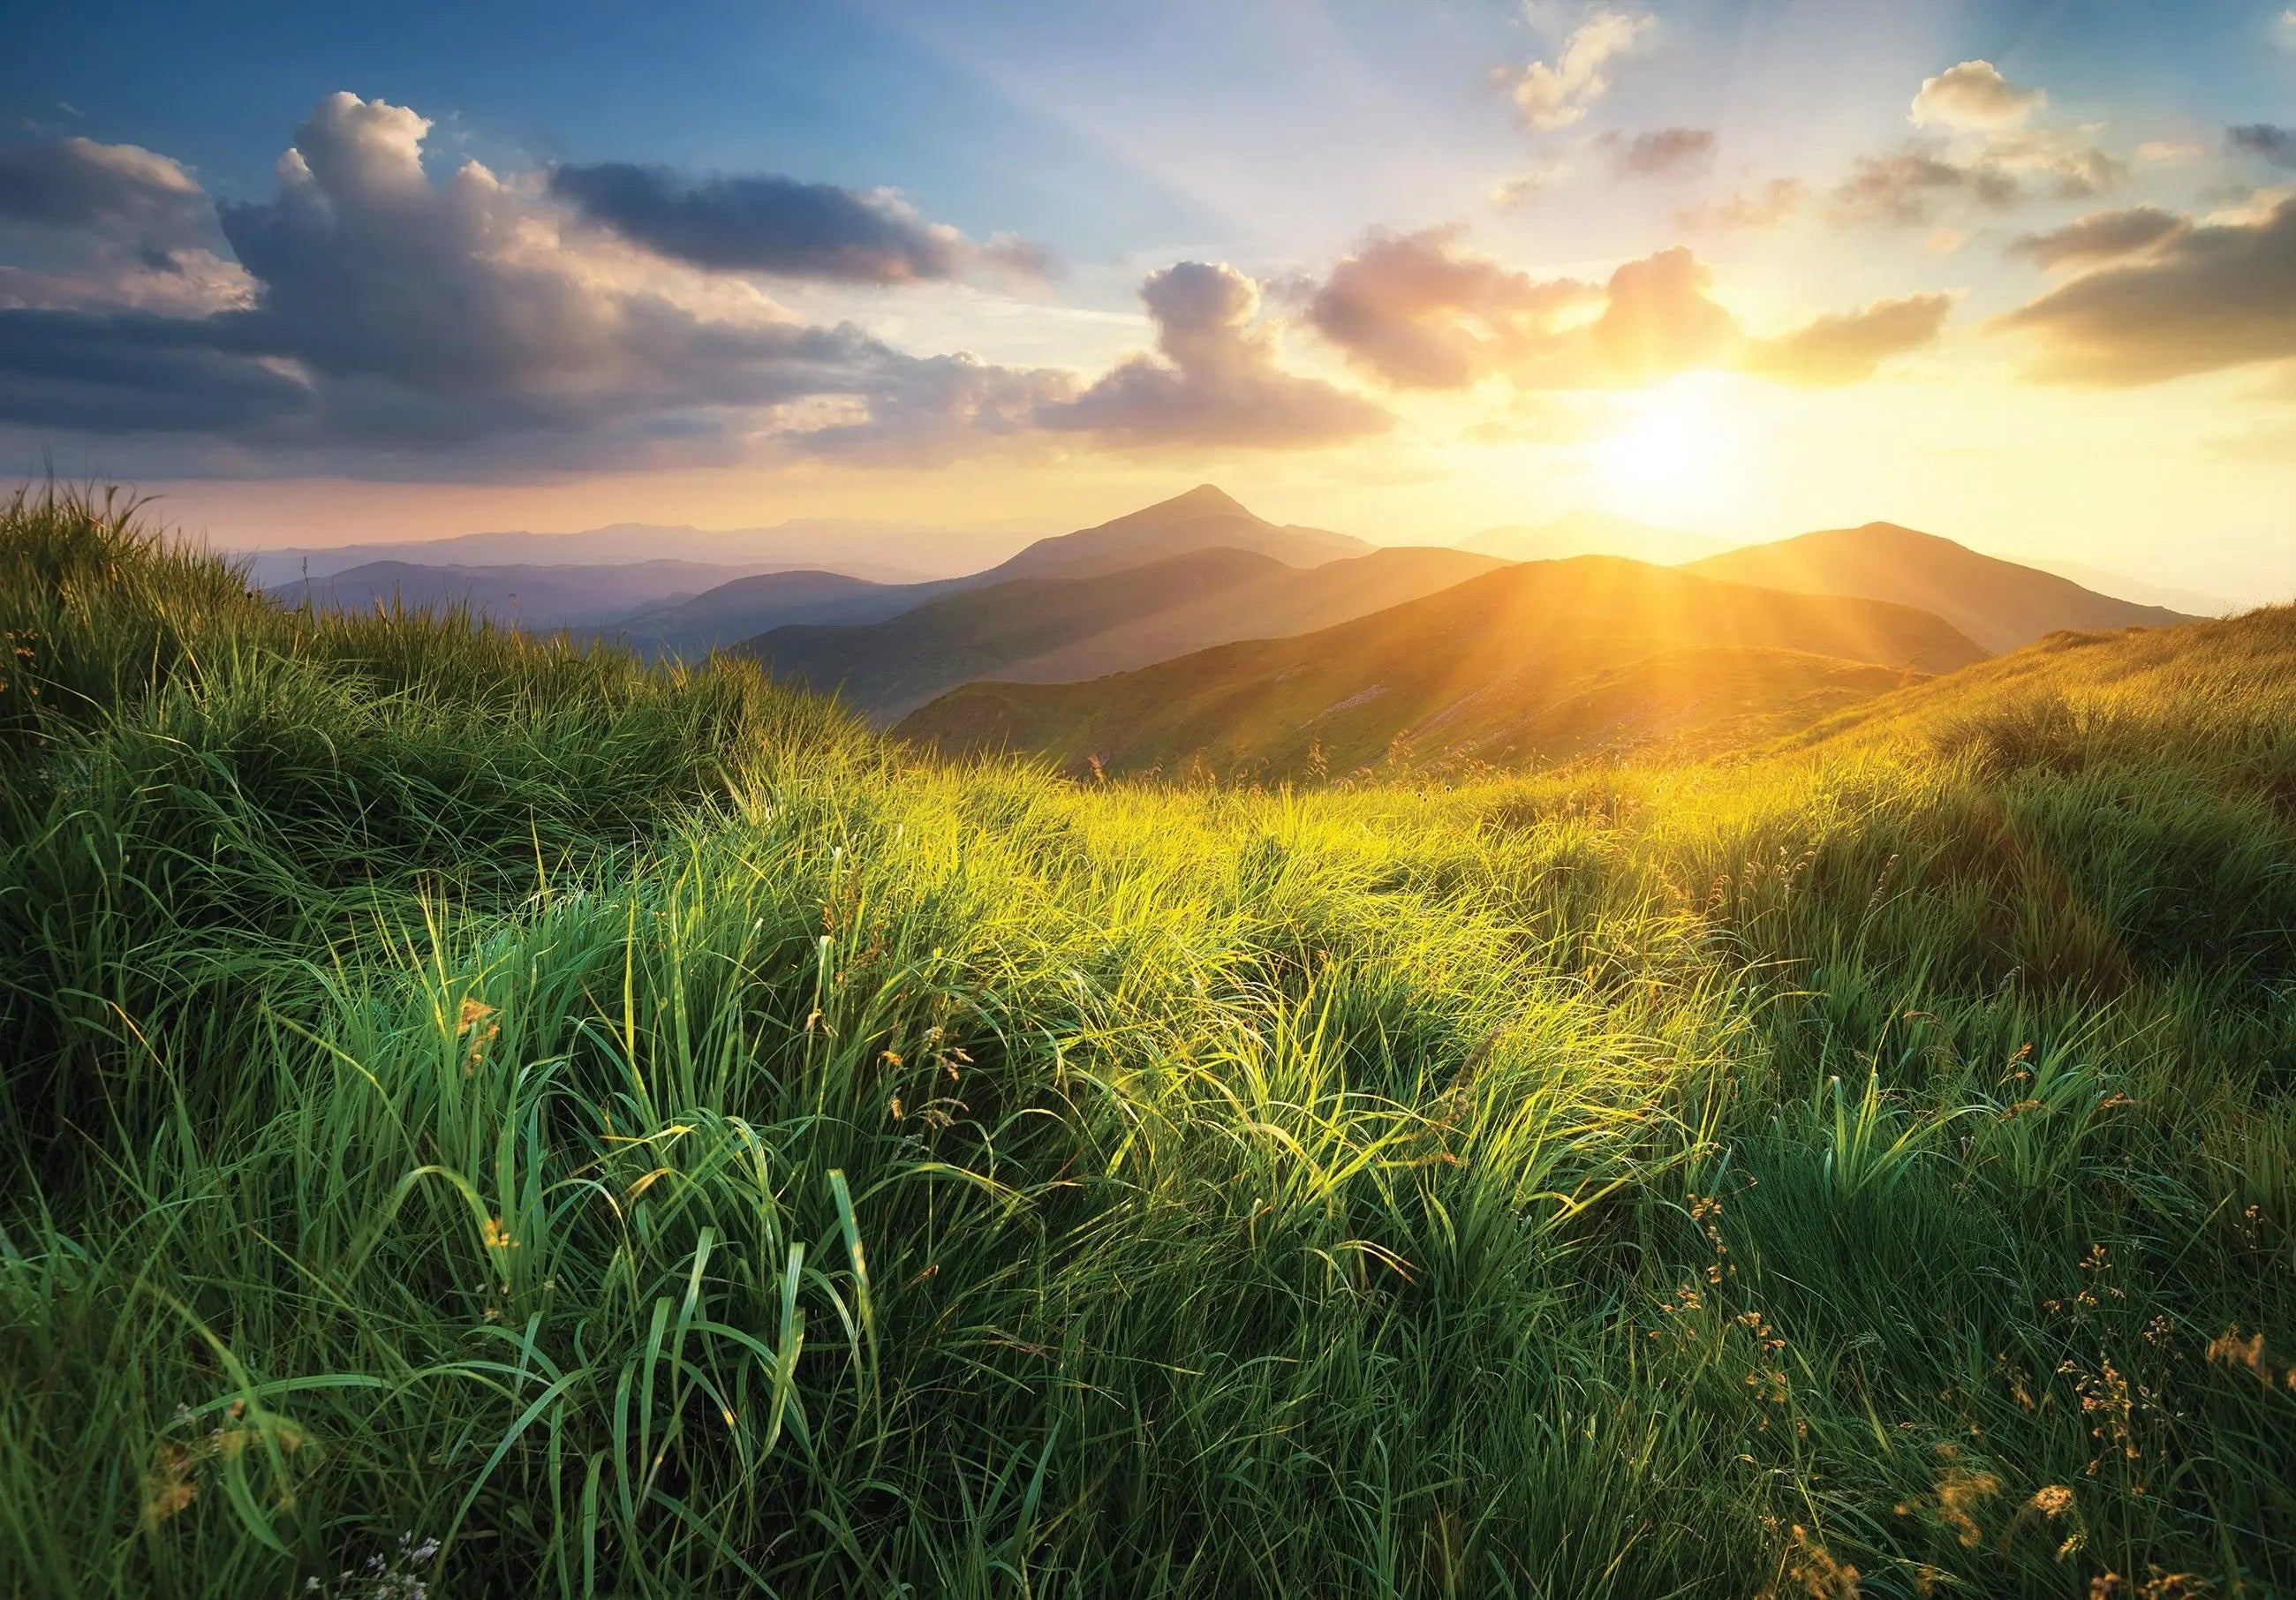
column 1849, row 347
column 1422, row 313
column 118, row 190
column 1558, row 95
column 1766, row 207
column 1974, row 95
column 1903, row 188
column 2273, row 145
column 777, row 226
column 1218, row 381
column 2216, row 296
column 1657, row 318
column 1662, row 152
column 392, row 310
column 2099, row 237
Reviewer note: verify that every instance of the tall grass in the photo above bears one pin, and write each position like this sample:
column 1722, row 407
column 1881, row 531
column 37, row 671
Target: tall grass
column 491, row 1115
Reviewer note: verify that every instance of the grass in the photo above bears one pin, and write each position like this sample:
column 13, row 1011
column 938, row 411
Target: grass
column 489, row 1115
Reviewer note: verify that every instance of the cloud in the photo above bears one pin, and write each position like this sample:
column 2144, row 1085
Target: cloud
column 2284, row 29
column 1514, row 190
column 1849, row 347
column 1658, row 320
column 2099, row 237
column 2274, row 146
column 1904, row 187
column 777, row 226
column 1663, row 152
column 1422, row 313
column 1974, row 95
column 2216, row 296
column 1766, row 207
column 1217, row 383
column 121, row 190
column 462, row 319
column 1549, row 97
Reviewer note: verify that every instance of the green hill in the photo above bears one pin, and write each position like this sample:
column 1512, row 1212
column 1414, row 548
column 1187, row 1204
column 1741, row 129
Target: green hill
column 1050, row 629
column 1998, row 603
column 490, row 1116
column 1542, row 661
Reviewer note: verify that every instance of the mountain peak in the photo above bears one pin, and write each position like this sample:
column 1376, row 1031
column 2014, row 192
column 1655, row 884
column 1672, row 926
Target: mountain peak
column 1206, row 499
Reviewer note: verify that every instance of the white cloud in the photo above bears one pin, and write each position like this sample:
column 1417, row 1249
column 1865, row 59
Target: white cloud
column 1556, row 95
column 1974, row 95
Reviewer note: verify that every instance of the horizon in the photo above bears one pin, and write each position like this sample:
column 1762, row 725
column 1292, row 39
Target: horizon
column 2021, row 278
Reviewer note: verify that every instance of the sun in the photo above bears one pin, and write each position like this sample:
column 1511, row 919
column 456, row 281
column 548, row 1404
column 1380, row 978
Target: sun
column 1679, row 454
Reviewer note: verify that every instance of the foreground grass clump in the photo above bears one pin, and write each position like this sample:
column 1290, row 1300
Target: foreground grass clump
column 487, row 1113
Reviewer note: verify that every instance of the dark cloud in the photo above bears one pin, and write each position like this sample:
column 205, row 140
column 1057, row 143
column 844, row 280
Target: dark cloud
column 1662, row 152
column 2100, row 236
column 2221, row 295
column 393, row 311
column 2275, row 146
column 1904, row 187
column 1218, row 382
column 122, row 191
column 1422, row 313
column 777, row 226
column 1849, row 347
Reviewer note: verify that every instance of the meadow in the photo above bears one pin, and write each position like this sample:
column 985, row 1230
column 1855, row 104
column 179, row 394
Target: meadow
column 487, row 1115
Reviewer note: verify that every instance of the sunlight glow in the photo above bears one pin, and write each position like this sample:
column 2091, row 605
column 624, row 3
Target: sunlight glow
column 1679, row 457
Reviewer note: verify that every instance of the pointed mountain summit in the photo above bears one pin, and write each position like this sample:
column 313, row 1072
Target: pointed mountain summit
column 1997, row 602
column 1205, row 518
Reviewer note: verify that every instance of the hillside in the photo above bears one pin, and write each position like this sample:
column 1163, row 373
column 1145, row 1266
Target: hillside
column 1050, row 629
column 481, row 1105
column 1998, row 603
column 723, row 616
column 1526, row 664
column 528, row 596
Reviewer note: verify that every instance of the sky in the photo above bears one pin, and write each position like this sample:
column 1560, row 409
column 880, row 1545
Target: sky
column 2018, row 272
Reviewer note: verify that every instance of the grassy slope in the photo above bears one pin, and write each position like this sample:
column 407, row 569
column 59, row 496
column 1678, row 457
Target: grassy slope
column 649, row 1137
column 1540, row 662
column 1053, row 628
column 2000, row 604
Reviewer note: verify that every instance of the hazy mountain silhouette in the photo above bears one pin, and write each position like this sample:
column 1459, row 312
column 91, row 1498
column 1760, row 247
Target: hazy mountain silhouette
column 528, row 596
column 1530, row 662
column 1594, row 533
column 886, row 551
column 1202, row 519
column 1050, row 629
column 1997, row 602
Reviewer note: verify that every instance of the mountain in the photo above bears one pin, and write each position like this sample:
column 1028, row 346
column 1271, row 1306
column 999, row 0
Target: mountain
column 1998, row 603
column 723, row 616
column 529, row 596
column 1593, row 533
column 1048, row 630
column 886, row 551
column 2119, row 586
column 1203, row 519
column 1544, row 661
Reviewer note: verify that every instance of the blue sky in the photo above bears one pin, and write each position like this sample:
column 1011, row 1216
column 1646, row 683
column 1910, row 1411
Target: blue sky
column 1273, row 142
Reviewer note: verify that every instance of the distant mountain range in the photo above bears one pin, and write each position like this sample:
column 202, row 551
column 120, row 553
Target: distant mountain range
column 1543, row 661
column 1998, row 603
column 523, row 596
column 1594, row 533
column 1202, row 519
column 886, row 551
column 1193, row 631
column 1050, row 629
